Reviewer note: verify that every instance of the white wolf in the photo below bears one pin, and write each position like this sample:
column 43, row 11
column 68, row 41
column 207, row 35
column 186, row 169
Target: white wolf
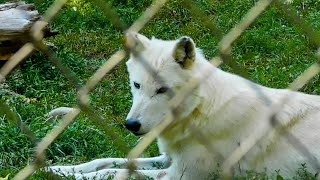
column 225, row 109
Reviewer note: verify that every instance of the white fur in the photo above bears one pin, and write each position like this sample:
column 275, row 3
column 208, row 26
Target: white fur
column 226, row 109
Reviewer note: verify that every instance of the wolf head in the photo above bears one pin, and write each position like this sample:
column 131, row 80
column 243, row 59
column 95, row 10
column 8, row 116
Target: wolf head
column 157, row 69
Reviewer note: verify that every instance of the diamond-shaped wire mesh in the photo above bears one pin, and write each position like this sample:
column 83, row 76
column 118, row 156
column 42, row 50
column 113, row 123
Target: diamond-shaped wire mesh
column 225, row 56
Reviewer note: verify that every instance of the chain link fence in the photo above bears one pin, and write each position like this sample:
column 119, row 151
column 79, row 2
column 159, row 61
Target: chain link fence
column 224, row 56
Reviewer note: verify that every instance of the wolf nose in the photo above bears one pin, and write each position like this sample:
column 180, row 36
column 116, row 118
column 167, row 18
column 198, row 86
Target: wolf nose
column 132, row 125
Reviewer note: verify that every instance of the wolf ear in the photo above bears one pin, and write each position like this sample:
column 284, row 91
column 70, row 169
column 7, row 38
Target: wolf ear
column 184, row 52
column 136, row 42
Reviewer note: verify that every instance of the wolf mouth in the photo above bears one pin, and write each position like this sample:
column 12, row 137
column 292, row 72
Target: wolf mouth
column 138, row 134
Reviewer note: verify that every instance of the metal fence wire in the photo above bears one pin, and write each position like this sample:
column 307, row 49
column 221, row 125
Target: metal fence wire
column 225, row 56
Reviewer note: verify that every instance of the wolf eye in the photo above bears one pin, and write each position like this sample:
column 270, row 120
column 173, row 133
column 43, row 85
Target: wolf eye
column 137, row 85
column 162, row 90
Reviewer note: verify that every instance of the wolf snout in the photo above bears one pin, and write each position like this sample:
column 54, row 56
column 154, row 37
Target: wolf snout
column 132, row 125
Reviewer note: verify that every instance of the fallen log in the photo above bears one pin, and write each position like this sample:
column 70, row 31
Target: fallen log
column 16, row 20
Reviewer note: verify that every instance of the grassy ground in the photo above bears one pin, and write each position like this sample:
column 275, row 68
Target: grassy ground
column 272, row 51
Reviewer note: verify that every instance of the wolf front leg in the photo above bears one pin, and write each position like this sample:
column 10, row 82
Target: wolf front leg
column 121, row 174
column 162, row 161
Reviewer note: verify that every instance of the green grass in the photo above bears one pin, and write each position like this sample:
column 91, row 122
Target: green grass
column 272, row 51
